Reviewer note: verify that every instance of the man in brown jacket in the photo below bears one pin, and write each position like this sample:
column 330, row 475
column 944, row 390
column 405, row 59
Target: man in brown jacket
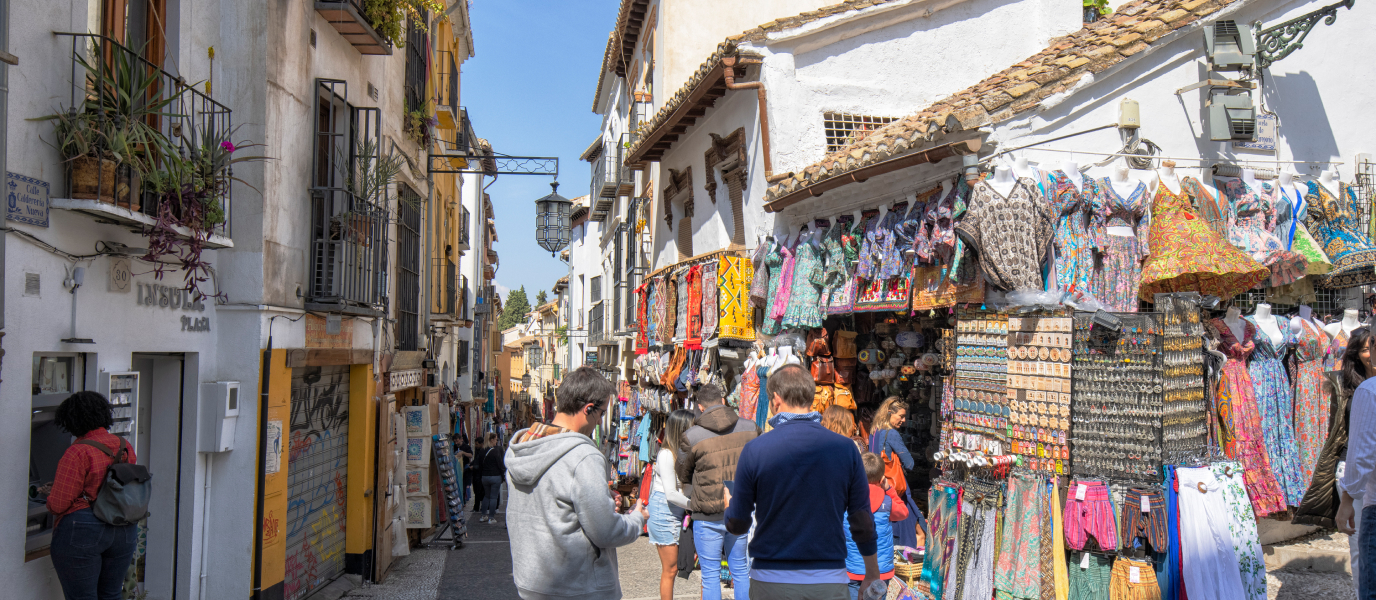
column 711, row 448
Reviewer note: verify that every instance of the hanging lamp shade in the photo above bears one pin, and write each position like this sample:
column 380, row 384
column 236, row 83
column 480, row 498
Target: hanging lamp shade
column 552, row 220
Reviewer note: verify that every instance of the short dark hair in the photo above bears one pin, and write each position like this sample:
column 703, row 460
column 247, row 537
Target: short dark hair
column 581, row 387
column 794, row 385
column 708, row 395
column 874, row 467
column 83, row 412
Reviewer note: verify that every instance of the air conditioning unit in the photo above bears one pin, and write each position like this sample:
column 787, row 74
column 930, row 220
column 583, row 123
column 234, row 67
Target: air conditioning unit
column 1232, row 116
column 219, row 415
column 1228, row 46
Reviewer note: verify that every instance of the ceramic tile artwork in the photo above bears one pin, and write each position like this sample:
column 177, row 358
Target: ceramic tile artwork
column 418, row 451
column 417, row 481
column 417, row 420
column 417, row 512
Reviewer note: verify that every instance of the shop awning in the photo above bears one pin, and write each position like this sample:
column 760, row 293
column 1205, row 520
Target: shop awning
column 934, row 154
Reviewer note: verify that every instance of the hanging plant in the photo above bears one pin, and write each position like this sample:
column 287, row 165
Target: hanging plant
column 191, row 192
column 388, row 17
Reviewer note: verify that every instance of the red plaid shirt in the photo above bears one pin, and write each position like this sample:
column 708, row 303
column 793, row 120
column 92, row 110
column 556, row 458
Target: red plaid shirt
column 81, row 471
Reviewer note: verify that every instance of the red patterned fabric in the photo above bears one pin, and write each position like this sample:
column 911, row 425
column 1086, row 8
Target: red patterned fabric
column 81, row 471
column 1187, row 255
column 694, row 341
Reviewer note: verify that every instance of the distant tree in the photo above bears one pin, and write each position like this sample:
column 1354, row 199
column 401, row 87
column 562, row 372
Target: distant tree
column 541, row 298
column 514, row 309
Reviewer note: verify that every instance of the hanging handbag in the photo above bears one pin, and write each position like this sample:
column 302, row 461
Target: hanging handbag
column 893, row 467
column 821, row 398
column 823, row 370
column 845, row 344
column 841, row 396
column 845, row 370
column 817, row 344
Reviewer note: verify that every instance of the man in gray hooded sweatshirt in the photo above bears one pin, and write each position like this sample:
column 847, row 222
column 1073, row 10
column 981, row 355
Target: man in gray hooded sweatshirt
column 562, row 521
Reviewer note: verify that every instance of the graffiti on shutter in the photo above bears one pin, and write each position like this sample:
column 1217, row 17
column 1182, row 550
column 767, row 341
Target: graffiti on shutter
column 316, row 471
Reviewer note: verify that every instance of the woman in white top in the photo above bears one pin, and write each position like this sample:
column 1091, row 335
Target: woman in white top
column 667, row 501
column 1357, row 511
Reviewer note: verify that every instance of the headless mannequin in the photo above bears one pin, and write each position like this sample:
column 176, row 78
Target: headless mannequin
column 1268, row 323
column 1297, row 323
column 946, row 186
column 1123, row 186
column 1166, row 176
column 1022, row 170
column 1329, row 181
column 1072, row 170
column 1003, row 181
column 1290, row 183
column 1233, row 319
column 1249, row 177
column 1347, row 325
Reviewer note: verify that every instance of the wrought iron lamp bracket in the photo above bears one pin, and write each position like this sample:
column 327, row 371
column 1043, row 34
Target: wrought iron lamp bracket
column 1277, row 42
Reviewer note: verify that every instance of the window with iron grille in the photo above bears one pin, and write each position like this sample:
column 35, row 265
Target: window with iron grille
column 408, row 271
column 618, row 279
column 463, row 357
column 415, row 66
column 843, row 129
column 595, row 315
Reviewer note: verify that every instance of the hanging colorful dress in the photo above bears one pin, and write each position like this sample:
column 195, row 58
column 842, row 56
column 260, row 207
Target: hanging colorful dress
column 1010, row 234
column 1275, row 400
column 1311, row 402
column 838, row 277
column 1077, row 231
column 804, row 306
column 1291, row 209
column 774, row 265
column 1120, row 275
column 759, row 286
column 885, row 273
column 1250, row 222
column 1337, row 346
column 1189, row 256
column 1335, row 226
column 1239, row 420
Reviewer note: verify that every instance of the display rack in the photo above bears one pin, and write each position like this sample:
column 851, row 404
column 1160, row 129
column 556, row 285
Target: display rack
column 1116, row 406
column 454, row 528
column 122, row 389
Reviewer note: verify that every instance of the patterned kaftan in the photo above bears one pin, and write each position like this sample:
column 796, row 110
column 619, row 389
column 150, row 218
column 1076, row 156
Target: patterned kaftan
column 1078, row 231
column 1118, row 280
column 1251, row 220
column 1311, row 402
column 1275, row 400
column 1334, row 223
column 1240, row 421
column 1187, row 255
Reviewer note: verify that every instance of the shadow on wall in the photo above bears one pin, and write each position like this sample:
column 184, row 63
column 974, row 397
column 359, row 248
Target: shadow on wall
column 1296, row 97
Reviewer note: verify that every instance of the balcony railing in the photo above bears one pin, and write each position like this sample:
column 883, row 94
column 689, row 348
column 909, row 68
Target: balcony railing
column 609, row 177
column 596, row 333
column 465, row 238
column 454, row 146
column 114, row 82
column 446, row 290
column 346, row 17
column 447, row 92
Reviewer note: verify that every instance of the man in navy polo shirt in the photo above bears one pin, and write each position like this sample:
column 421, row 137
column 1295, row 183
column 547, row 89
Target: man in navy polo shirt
column 799, row 479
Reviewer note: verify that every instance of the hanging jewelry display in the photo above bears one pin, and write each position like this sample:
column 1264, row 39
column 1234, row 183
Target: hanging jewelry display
column 1039, row 355
column 1116, row 405
column 980, row 415
column 1185, row 420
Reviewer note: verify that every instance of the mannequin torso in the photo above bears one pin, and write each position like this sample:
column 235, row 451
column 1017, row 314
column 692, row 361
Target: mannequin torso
column 1268, row 323
column 1022, row 170
column 1233, row 319
column 1347, row 325
column 1166, row 176
column 1003, row 181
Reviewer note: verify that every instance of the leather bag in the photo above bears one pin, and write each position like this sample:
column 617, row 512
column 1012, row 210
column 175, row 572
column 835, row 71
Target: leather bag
column 817, row 342
column 893, row 467
column 845, row 344
column 823, row 370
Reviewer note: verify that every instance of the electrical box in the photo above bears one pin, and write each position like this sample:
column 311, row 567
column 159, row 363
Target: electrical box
column 219, row 415
column 1228, row 47
column 121, row 388
column 1129, row 114
column 1232, row 117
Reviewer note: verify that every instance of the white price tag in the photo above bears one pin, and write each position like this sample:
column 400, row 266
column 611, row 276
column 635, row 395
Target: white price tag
column 1080, row 491
column 1134, row 575
column 1084, row 561
column 1146, row 503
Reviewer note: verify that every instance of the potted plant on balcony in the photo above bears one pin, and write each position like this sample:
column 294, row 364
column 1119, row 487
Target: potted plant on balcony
column 388, row 17
column 367, row 184
column 81, row 141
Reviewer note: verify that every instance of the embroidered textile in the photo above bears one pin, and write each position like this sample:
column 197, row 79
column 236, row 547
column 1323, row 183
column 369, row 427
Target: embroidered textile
column 1010, row 234
column 1187, row 255
column 681, row 301
column 932, row 289
column 1018, row 574
column 736, row 318
column 1078, row 230
column 1250, row 221
column 759, row 287
column 693, row 340
column 1334, row 225
column 710, row 308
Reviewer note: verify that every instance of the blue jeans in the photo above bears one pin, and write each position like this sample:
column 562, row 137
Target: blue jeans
column 1366, row 538
column 91, row 556
column 712, row 541
column 492, row 494
column 467, row 487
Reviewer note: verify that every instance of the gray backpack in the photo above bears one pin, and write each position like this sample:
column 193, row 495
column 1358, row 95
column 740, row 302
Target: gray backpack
column 123, row 496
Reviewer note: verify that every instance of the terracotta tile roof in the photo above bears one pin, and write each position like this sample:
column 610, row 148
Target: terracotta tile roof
column 621, row 42
column 594, row 149
column 708, row 70
column 1129, row 31
column 602, row 72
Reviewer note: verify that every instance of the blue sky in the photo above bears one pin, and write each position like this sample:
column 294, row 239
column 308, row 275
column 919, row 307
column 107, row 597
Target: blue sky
column 529, row 90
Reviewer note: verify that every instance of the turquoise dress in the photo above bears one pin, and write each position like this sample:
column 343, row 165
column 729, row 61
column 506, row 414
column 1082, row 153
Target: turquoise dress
column 1276, row 403
column 1333, row 221
column 804, row 302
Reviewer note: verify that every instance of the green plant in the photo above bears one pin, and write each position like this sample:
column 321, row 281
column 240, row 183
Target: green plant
column 1099, row 5
column 372, row 173
column 388, row 17
column 77, row 134
column 416, row 125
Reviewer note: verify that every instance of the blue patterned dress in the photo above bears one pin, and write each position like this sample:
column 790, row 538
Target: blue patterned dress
column 1275, row 402
column 1078, row 229
column 804, row 303
column 1334, row 223
column 774, row 264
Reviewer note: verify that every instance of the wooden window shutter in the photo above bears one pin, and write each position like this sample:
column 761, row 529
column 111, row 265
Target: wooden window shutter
column 735, row 183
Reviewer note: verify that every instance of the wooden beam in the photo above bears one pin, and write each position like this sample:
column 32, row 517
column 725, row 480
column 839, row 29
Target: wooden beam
column 653, row 138
column 934, row 154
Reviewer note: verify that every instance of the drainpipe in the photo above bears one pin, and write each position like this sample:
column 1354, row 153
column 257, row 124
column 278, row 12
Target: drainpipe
column 758, row 86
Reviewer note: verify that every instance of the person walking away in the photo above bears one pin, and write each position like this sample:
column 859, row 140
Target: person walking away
column 802, row 482
column 474, row 473
column 887, row 507
column 493, row 468
column 888, row 444
column 89, row 555
column 839, row 420
column 711, row 448
column 466, row 453
column 563, row 526
column 1358, row 483
column 667, row 501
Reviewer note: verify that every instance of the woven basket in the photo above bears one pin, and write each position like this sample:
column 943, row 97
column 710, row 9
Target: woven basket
column 910, row 573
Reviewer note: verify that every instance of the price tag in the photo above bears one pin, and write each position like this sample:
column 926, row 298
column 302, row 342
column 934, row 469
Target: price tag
column 1146, row 503
column 1080, row 492
column 1134, row 575
column 1084, row 561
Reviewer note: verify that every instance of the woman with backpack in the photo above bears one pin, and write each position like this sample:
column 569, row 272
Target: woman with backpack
column 89, row 555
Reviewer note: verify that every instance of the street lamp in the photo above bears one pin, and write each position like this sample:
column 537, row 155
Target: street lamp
column 552, row 220
column 525, row 381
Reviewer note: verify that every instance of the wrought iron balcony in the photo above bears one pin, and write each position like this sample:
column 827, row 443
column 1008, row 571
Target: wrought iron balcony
column 346, row 17
column 447, row 92
column 116, row 83
column 610, row 178
column 464, row 236
column 454, row 146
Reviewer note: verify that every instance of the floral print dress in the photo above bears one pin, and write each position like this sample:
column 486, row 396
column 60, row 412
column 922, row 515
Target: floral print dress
column 1311, row 403
column 774, row 266
column 1333, row 360
column 1117, row 282
column 1335, row 226
column 1250, row 222
column 804, row 303
column 1240, row 423
column 1078, row 233
column 1275, row 400
column 1187, row 255
column 886, row 272
column 1290, row 209
column 1242, row 526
